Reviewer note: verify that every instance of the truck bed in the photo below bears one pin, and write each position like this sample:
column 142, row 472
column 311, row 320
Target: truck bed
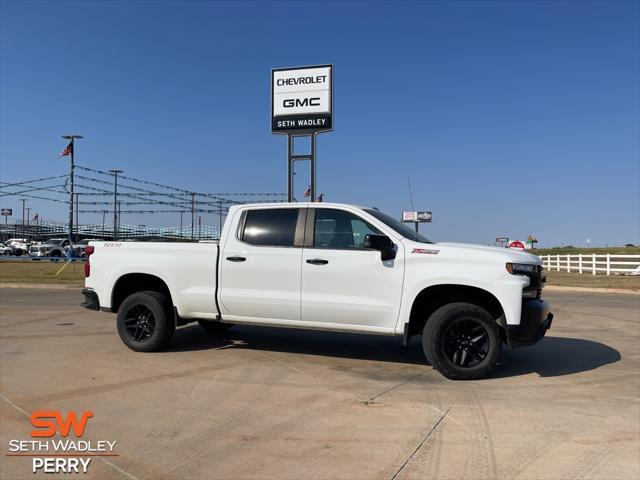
column 188, row 270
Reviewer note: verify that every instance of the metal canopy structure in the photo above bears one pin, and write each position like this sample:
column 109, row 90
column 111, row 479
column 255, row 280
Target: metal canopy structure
column 96, row 193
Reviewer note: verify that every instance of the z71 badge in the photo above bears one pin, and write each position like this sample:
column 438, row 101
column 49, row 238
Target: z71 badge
column 425, row 250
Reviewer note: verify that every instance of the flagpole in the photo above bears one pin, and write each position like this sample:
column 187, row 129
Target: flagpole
column 73, row 151
column 71, row 196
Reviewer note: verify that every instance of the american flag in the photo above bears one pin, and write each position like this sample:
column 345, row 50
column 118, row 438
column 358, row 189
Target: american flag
column 67, row 151
column 307, row 192
column 35, row 218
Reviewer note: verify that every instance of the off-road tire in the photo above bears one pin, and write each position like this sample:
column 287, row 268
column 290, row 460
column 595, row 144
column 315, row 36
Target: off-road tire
column 214, row 327
column 162, row 318
column 440, row 328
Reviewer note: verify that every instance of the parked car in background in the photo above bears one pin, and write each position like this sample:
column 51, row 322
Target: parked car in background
column 19, row 246
column 4, row 250
column 78, row 248
column 54, row 247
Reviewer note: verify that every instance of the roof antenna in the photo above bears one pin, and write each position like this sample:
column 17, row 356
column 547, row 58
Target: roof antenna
column 410, row 194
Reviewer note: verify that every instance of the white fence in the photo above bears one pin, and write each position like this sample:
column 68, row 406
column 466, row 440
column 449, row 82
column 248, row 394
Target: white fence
column 607, row 263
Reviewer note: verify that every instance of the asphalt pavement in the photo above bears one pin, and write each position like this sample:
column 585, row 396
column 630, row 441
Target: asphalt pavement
column 258, row 403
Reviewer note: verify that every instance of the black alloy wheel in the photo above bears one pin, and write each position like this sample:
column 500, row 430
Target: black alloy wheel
column 462, row 341
column 139, row 323
column 466, row 342
column 146, row 321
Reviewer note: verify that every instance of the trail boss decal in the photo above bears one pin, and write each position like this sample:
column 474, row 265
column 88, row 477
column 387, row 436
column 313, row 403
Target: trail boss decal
column 302, row 99
column 426, row 251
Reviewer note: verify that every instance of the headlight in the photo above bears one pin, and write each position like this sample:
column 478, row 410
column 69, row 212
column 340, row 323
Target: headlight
column 521, row 268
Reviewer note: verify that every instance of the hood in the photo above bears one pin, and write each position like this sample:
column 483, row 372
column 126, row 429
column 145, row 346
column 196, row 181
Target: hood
column 479, row 252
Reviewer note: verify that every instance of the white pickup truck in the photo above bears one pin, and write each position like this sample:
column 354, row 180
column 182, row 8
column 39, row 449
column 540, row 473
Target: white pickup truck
column 326, row 267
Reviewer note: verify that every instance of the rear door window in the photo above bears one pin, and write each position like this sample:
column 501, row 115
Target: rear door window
column 270, row 227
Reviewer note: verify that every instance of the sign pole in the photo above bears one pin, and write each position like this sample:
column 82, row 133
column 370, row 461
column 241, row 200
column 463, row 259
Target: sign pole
column 290, row 161
column 292, row 157
column 313, row 166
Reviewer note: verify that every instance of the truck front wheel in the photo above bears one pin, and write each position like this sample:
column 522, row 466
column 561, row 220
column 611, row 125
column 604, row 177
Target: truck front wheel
column 462, row 341
column 145, row 321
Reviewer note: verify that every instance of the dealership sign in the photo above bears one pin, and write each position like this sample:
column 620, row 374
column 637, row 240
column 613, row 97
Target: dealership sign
column 6, row 212
column 420, row 217
column 302, row 99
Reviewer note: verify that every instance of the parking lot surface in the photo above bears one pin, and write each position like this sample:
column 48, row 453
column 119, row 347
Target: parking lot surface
column 290, row 404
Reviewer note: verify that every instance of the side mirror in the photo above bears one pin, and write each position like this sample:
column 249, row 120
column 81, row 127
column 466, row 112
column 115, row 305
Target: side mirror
column 383, row 244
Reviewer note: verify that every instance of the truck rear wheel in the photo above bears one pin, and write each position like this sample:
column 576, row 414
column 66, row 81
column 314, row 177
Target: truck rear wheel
column 462, row 341
column 214, row 327
column 145, row 321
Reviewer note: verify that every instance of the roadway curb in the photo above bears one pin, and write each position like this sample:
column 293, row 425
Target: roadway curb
column 53, row 286
column 561, row 288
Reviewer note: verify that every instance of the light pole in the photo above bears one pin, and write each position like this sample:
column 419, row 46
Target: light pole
column 193, row 212
column 71, row 139
column 28, row 215
column 104, row 212
column 115, row 202
column 23, row 200
column 77, row 215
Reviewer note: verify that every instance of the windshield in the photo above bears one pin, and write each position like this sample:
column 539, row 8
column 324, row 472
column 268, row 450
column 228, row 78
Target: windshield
column 399, row 227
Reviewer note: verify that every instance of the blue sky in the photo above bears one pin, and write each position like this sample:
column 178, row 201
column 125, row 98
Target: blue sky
column 511, row 118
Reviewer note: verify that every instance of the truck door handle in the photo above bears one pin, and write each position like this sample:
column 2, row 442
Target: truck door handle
column 236, row 258
column 317, row 261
